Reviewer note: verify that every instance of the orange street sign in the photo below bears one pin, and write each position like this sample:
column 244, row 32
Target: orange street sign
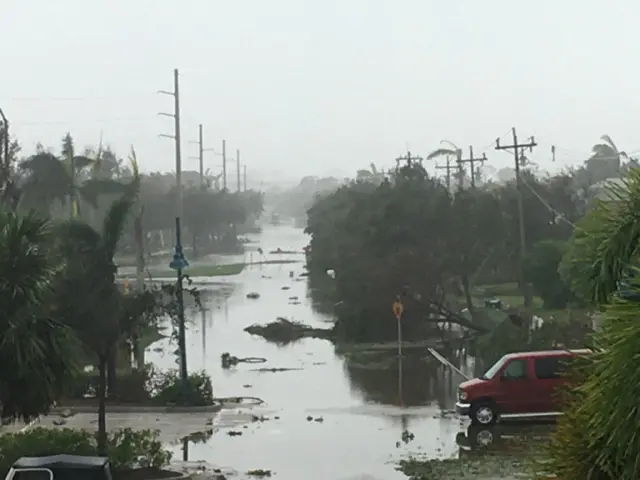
column 397, row 309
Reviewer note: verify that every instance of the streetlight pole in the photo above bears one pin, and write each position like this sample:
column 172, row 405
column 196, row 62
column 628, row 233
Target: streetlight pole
column 178, row 263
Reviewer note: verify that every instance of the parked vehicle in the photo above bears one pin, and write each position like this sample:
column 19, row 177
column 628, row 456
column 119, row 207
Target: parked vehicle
column 518, row 385
column 60, row 467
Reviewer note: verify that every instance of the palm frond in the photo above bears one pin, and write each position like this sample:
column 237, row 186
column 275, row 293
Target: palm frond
column 607, row 244
column 114, row 223
column 441, row 152
column 607, row 140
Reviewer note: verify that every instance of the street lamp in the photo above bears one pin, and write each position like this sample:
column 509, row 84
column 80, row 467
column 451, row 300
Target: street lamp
column 179, row 263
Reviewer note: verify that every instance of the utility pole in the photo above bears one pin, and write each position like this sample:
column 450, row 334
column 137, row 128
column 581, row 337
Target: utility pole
column 224, row 165
column 238, row 166
column 447, row 167
column 179, row 262
column 460, row 173
column 409, row 160
column 201, row 151
column 176, row 135
column 5, row 141
column 518, row 148
column 201, row 155
column 244, row 180
column 471, row 160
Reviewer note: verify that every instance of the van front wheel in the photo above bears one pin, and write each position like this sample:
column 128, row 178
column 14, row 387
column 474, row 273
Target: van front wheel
column 483, row 414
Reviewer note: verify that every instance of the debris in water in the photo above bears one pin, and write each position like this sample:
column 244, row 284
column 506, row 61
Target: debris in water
column 229, row 360
column 284, row 331
column 274, row 370
column 259, row 473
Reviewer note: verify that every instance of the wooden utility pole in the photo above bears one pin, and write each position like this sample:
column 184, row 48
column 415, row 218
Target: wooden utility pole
column 460, row 173
column 244, row 179
column 224, row 165
column 447, row 168
column 238, row 166
column 518, row 149
column 409, row 160
column 471, row 161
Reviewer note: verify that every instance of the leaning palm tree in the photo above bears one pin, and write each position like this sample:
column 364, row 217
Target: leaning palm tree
column 595, row 439
column 36, row 350
column 90, row 299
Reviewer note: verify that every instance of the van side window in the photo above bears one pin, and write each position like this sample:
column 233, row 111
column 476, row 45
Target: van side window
column 515, row 370
column 550, row 367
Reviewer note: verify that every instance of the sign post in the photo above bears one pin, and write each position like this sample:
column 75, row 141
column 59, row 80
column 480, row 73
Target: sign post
column 398, row 308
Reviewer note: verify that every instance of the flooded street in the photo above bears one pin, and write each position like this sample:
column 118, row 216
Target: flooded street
column 327, row 418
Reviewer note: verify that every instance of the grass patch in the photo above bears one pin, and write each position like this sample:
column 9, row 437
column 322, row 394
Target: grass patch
column 472, row 467
column 210, row 270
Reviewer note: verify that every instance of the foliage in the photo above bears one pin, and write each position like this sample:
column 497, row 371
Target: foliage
column 605, row 243
column 596, row 439
column 541, row 268
column 126, row 448
column 36, row 350
column 83, row 186
column 409, row 236
column 148, row 386
column 167, row 389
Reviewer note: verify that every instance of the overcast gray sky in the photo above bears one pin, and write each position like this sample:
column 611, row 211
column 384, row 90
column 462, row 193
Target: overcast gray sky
column 322, row 86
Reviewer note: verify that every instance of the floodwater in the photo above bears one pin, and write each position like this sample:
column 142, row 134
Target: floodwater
column 326, row 419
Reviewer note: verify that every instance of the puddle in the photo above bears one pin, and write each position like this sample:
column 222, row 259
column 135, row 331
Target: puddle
column 368, row 421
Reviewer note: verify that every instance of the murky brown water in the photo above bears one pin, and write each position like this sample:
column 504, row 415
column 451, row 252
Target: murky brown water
column 360, row 434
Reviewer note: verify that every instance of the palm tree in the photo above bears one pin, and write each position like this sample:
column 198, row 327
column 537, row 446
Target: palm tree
column 66, row 179
column 36, row 351
column 90, row 299
column 594, row 439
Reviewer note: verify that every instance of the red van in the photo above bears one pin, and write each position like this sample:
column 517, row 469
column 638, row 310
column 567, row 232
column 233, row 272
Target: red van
column 517, row 385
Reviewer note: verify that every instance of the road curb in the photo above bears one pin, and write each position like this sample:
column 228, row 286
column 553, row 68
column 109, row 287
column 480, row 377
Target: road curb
column 135, row 409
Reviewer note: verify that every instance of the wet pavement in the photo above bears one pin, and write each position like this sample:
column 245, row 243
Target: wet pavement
column 330, row 419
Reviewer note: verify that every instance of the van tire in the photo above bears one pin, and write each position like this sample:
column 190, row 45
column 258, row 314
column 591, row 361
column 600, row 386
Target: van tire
column 483, row 413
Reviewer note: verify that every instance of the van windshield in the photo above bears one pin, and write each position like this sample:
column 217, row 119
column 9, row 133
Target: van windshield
column 493, row 371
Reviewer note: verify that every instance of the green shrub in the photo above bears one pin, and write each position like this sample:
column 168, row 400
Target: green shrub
column 167, row 389
column 127, row 448
column 132, row 385
column 149, row 386
column 597, row 439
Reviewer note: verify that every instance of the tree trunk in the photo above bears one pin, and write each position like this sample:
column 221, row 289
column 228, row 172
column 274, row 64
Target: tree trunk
column 138, row 352
column 195, row 245
column 102, row 407
column 467, row 295
column 112, row 361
